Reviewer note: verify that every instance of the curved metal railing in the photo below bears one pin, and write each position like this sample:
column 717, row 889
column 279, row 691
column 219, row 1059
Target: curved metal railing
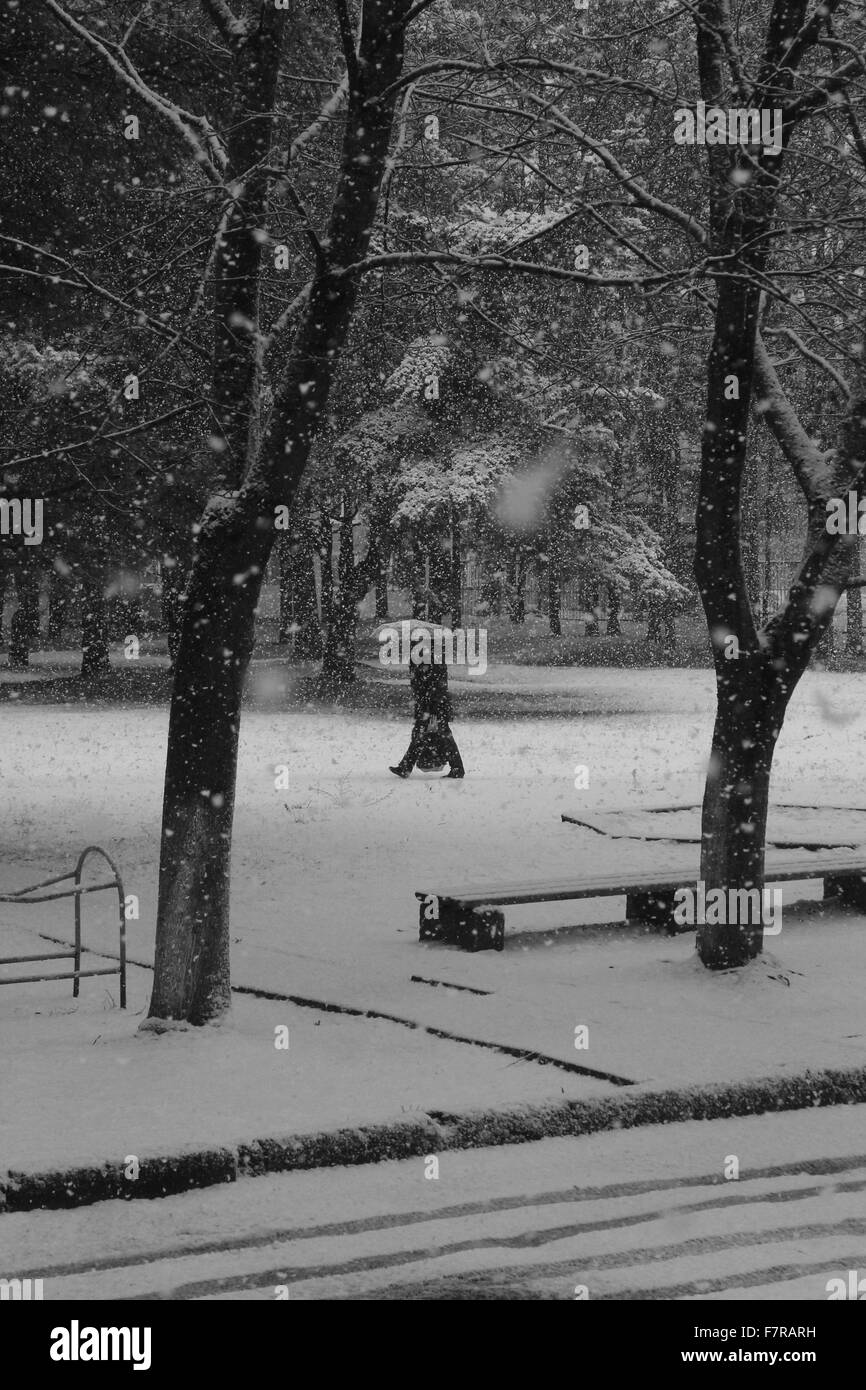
column 25, row 896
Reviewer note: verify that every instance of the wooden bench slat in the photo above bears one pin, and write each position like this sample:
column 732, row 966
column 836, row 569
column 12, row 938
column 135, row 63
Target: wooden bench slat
column 621, row 885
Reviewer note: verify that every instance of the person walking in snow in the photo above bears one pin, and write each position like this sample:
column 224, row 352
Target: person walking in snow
column 429, row 684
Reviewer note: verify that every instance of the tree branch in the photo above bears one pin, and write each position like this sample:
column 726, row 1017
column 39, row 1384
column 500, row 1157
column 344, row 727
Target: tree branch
column 807, row 35
column 507, row 66
column 856, row 131
column 722, row 30
column 507, row 263
column 810, row 102
column 807, row 614
column 169, row 111
column 417, row 9
column 85, row 284
column 283, row 181
column 327, row 113
column 816, row 358
column 99, row 438
column 233, row 30
column 641, row 195
column 810, row 464
column 293, row 308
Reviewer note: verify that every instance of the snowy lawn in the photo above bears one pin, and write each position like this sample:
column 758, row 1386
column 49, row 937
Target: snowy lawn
column 324, row 872
column 86, row 1087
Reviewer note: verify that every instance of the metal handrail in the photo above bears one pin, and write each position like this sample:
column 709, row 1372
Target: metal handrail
column 25, row 896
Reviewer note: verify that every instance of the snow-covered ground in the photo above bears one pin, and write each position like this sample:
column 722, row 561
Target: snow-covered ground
column 86, row 1087
column 324, row 873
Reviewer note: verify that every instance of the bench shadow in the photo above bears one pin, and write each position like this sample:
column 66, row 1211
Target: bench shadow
column 535, row 938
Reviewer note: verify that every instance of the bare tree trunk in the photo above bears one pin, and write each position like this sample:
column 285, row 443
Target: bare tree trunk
column 19, row 642
column 237, row 266
column 517, row 598
column 58, row 606
column 326, row 564
column 669, row 628
column 419, row 603
column 29, row 587
column 440, row 577
column 382, row 591
column 191, row 967
column 95, row 659
column 299, row 618
column 456, row 578
column 24, row 626
column 752, row 529
column 554, row 602
column 751, row 707
column 308, row 638
column 354, row 583
column 554, row 581
column 191, row 977
column 338, row 656
column 286, row 547
column 756, row 674
column 737, row 789
column 420, row 574
column 854, row 633
column 591, row 627
column 614, row 626
column 216, row 632
column 753, row 681
column 171, row 578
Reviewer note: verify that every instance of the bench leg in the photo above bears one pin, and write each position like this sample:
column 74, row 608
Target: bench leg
column 847, row 888
column 499, row 931
column 482, row 931
column 430, row 925
column 656, row 909
column 438, row 920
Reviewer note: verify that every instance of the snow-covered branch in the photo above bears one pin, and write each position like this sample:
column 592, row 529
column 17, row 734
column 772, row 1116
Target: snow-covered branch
column 641, row 195
column 232, row 29
column 325, row 116
column 508, row 263
column 810, row 464
column 183, row 123
column 815, row 357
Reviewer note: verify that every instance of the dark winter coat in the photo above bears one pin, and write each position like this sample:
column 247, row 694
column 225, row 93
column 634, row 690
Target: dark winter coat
column 429, row 684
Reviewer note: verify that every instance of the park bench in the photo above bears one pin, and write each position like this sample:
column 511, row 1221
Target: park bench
column 471, row 916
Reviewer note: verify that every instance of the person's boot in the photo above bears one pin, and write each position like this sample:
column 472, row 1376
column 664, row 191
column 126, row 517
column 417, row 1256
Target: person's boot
column 400, row 771
column 459, row 771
